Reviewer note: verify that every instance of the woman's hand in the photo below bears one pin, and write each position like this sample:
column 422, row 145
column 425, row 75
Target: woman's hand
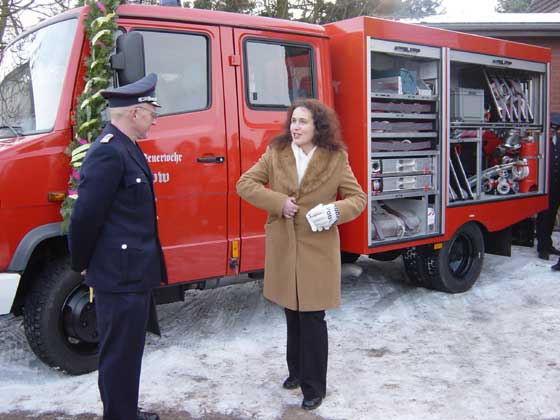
column 322, row 216
column 290, row 208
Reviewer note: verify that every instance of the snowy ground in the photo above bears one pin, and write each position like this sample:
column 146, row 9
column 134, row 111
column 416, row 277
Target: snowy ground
column 396, row 352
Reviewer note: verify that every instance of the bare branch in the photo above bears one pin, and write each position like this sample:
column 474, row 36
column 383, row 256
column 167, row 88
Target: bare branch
column 16, row 14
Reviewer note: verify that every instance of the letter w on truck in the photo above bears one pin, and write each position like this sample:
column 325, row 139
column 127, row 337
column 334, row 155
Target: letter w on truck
column 446, row 135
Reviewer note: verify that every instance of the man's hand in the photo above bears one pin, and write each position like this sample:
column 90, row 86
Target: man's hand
column 322, row 216
column 290, row 208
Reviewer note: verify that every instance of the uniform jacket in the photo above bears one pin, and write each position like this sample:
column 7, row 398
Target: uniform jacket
column 302, row 267
column 113, row 228
column 554, row 164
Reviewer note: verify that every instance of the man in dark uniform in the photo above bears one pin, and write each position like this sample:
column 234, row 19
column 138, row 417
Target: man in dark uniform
column 113, row 240
column 546, row 218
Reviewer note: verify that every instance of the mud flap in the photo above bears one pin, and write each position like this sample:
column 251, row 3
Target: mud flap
column 523, row 233
column 153, row 322
column 498, row 243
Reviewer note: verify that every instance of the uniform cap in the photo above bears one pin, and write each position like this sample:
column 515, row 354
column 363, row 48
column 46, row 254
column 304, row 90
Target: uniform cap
column 141, row 91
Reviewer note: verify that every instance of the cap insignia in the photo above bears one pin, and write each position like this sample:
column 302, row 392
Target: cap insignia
column 147, row 99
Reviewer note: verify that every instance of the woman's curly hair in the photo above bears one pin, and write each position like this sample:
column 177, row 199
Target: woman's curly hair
column 325, row 120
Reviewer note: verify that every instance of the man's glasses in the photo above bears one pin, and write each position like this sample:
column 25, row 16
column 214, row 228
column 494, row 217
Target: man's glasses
column 153, row 114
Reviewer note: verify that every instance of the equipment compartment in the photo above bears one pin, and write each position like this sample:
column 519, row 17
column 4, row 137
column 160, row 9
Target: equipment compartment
column 402, row 219
column 502, row 153
column 405, row 132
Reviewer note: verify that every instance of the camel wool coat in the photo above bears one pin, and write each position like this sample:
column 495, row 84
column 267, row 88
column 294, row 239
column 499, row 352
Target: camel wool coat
column 302, row 267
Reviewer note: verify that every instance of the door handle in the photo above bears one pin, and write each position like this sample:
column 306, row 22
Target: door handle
column 211, row 159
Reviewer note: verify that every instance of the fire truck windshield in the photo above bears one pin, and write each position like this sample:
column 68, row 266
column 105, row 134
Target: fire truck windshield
column 32, row 73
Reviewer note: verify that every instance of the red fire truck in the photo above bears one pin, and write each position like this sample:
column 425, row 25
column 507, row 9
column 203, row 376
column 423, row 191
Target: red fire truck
column 446, row 134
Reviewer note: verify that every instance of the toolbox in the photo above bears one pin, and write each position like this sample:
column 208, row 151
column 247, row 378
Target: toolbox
column 467, row 105
column 400, row 81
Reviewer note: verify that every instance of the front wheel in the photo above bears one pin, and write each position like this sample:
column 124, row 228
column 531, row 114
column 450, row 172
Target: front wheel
column 60, row 322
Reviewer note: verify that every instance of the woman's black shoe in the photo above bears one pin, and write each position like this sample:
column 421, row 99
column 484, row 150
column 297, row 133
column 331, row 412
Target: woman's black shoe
column 312, row 403
column 291, row 383
column 142, row 415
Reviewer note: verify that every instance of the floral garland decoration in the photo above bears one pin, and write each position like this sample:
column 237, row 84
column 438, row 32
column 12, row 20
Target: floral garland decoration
column 100, row 26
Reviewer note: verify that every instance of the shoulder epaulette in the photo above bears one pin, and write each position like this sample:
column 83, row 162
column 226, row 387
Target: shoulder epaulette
column 107, row 138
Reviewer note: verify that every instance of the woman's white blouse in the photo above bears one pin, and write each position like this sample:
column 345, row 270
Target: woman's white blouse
column 302, row 160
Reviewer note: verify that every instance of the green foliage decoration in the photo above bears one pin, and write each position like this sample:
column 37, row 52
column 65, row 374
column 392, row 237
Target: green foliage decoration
column 514, row 6
column 100, row 26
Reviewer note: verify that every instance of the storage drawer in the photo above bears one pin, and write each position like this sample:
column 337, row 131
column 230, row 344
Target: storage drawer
column 401, row 127
column 401, row 183
column 401, row 166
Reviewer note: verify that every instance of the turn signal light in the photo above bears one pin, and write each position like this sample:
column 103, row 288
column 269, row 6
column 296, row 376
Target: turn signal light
column 235, row 249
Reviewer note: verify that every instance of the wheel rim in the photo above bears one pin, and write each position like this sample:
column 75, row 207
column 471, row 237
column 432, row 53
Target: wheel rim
column 461, row 256
column 79, row 321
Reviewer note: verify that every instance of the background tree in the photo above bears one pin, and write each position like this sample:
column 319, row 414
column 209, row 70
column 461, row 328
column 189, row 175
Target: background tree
column 16, row 15
column 275, row 8
column 236, row 6
column 513, row 6
column 323, row 11
column 419, row 8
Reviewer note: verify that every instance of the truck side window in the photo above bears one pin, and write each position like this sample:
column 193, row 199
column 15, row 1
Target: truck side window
column 181, row 62
column 277, row 74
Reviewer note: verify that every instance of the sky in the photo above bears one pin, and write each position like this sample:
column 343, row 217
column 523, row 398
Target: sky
column 470, row 7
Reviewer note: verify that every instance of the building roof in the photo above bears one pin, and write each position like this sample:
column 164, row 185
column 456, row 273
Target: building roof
column 498, row 24
column 544, row 6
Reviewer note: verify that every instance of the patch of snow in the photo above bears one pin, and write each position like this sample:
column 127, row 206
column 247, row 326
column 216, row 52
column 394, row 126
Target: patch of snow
column 396, row 352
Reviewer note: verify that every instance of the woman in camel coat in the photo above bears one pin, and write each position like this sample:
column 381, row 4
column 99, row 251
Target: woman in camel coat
column 306, row 168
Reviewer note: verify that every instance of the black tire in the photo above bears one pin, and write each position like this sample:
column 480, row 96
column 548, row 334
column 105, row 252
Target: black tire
column 348, row 257
column 415, row 265
column 60, row 323
column 456, row 266
column 387, row 255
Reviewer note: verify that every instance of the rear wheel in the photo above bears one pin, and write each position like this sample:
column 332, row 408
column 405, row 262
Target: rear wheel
column 456, row 266
column 60, row 322
column 415, row 265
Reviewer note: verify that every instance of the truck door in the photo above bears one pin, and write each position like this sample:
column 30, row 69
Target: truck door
column 275, row 69
column 186, row 148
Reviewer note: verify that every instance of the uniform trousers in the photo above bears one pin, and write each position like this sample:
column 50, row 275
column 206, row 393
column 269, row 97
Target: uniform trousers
column 121, row 325
column 307, row 351
column 545, row 220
